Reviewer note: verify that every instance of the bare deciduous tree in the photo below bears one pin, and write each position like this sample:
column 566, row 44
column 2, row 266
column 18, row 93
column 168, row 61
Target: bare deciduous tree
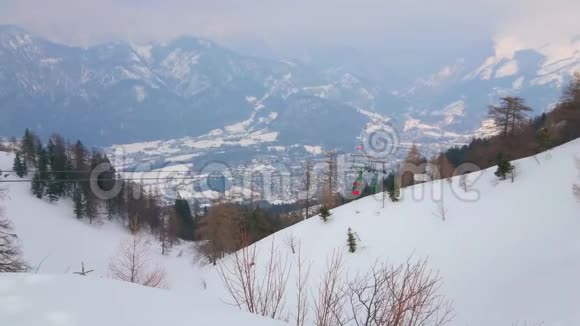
column 262, row 293
column 221, row 232
column 514, row 172
column 411, row 166
column 291, row 242
column 307, row 186
column 510, row 115
column 406, row 295
column 330, row 185
column 133, row 264
column 167, row 232
column 444, row 167
column 10, row 256
column 329, row 305
column 302, row 276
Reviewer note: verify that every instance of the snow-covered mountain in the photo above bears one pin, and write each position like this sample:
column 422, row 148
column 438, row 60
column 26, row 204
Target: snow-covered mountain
column 501, row 262
column 197, row 90
column 458, row 94
column 119, row 92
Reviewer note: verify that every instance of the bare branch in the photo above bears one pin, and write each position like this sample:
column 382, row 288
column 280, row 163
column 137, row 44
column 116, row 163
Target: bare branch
column 441, row 211
column 291, row 242
column 10, row 256
column 406, row 295
column 303, row 274
column 132, row 264
column 329, row 306
column 265, row 295
column 83, row 272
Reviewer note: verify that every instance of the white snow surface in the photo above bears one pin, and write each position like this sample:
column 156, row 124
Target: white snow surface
column 69, row 300
column 507, row 252
column 510, row 68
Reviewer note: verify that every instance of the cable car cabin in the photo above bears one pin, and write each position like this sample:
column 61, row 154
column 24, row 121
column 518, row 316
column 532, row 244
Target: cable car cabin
column 358, row 184
column 357, row 188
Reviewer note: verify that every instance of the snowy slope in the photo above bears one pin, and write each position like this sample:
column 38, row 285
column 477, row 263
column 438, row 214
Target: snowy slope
column 55, row 243
column 34, row 300
column 507, row 252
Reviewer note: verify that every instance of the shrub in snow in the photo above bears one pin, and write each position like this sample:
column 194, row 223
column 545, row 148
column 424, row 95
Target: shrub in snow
column 324, row 213
column 504, row 168
column 351, row 241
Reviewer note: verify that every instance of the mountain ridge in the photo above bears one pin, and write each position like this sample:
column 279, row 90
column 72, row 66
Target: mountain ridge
column 190, row 87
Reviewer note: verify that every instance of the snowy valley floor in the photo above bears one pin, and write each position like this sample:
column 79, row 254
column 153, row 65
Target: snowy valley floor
column 507, row 252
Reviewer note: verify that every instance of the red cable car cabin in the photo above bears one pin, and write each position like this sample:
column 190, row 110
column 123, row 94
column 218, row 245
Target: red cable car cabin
column 356, row 188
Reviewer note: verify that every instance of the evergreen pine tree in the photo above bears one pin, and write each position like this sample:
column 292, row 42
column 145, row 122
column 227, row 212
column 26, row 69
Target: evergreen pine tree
column 51, row 153
column 324, row 213
column 42, row 176
column 351, row 241
column 392, row 188
column 29, row 144
column 544, row 139
column 504, row 167
column 185, row 218
column 91, row 204
column 19, row 167
column 67, row 176
column 37, row 186
column 78, row 201
column 53, row 190
column 56, row 153
column 164, row 235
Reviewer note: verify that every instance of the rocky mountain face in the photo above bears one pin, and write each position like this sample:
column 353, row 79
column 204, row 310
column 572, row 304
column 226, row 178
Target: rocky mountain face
column 195, row 91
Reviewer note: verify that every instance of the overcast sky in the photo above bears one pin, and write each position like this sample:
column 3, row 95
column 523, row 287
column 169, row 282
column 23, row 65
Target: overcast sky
column 441, row 27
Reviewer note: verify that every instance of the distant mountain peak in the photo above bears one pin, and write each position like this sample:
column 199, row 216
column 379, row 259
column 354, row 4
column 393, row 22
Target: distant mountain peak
column 14, row 37
column 189, row 86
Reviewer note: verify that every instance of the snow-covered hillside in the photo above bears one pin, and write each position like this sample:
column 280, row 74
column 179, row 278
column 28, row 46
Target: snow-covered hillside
column 506, row 252
column 34, row 300
column 54, row 244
